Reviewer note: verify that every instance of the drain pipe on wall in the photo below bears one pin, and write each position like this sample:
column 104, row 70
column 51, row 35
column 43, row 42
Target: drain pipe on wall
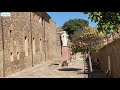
column 44, row 38
column 109, row 67
column 31, row 40
column 3, row 52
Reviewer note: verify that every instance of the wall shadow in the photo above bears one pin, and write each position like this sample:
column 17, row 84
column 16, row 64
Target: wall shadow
column 97, row 73
column 69, row 69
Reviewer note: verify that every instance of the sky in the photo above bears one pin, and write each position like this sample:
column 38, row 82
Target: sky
column 61, row 17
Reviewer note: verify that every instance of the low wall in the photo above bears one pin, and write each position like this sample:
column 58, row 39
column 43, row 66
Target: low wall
column 113, row 50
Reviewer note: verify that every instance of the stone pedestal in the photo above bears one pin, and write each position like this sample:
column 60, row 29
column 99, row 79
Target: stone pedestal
column 66, row 53
column 65, row 48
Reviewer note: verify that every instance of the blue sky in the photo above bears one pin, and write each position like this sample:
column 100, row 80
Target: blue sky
column 61, row 17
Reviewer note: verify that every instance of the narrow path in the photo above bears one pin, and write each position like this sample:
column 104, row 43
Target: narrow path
column 97, row 73
column 52, row 69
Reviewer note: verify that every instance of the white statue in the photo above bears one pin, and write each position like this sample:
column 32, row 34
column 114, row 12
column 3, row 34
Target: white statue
column 64, row 38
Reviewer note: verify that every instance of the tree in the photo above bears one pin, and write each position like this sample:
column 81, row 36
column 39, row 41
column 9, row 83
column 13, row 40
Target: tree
column 106, row 20
column 73, row 28
column 76, row 36
column 90, row 38
column 87, row 39
column 73, row 25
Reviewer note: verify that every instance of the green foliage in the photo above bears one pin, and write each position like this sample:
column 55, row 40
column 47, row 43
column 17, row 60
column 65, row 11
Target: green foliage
column 106, row 20
column 82, row 36
column 73, row 28
column 76, row 36
column 74, row 24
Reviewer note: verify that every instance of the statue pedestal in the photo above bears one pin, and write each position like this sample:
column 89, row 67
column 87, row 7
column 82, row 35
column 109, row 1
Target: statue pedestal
column 65, row 48
column 66, row 54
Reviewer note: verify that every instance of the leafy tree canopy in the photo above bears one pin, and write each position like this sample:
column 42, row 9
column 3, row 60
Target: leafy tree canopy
column 74, row 24
column 106, row 20
column 89, row 38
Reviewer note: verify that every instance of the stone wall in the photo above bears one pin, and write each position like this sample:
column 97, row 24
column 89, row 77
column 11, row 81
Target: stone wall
column 48, row 31
column 16, row 29
column 29, row 39
column 112, row 50
column 52, row 41
column 1, row 70
column 59, row 47
column 37, row 39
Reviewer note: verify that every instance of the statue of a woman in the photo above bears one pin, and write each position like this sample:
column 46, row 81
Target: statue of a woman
column 64, row 38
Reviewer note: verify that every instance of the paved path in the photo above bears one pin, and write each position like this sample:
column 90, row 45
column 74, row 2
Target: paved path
column 52, row 69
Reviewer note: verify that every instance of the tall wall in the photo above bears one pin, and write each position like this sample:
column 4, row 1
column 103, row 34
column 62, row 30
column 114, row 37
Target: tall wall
column 1, row 70
column 16, row 28
column 52, row 41
column 47, row 32
column 58, row 47
column 37, row 38
column 112, row 50
column 28, row 40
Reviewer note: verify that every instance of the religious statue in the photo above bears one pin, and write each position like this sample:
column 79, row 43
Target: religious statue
column 64, row 38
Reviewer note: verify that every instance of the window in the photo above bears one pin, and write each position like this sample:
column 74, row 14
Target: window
column 11, row 56
column 42, row 21
column 40, row 46
column 33, row 46
column 26, row 46
column 18, row 56
column 10, row 33
column 39, row 19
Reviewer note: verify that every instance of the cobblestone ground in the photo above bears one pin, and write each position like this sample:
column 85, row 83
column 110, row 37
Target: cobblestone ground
column 53, row 69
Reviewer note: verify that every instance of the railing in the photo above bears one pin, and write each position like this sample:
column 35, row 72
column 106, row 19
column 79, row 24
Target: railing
column 90, row 64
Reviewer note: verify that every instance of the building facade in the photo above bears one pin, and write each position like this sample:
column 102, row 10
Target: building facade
column 26, row 39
